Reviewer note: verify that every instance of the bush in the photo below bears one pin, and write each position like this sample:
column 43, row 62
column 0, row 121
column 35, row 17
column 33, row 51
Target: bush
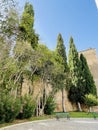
column 50, row 106
column 91, row 100
column 9, row 108
column 27, row 108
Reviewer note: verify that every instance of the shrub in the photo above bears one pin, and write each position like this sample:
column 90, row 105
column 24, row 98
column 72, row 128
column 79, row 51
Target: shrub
column 27, row 108
column 50, row 106
column 9, row 108
column 91, row 100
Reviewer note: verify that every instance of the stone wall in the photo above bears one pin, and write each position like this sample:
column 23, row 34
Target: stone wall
column 68, row 105
column 37, row 88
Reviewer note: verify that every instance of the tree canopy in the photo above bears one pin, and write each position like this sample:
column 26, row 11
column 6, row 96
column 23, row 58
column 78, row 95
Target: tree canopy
column 26, row 26
column 87, row 78
column 76, row 90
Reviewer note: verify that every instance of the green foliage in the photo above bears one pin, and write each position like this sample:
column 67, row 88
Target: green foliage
column 81, row 77
column 87, row 78
column 27, row 32
column 61, row 59
column 91, row 100
column 61, row 77
column 76, row 90
column 73, row 62
column 27, row 108
column 9, row 107
column 9, row 20
column 8, row 71
column 47, row 64
column 50, row 106
column 24, row 61
column 60, row 49
column 75, row 94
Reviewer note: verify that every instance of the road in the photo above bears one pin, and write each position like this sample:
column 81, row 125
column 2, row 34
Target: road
column 53, row 124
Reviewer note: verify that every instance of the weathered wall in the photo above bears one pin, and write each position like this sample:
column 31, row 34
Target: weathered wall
column 37, row 88
column 68, row 105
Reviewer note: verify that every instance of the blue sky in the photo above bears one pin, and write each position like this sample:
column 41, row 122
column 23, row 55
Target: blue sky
column 76, row 18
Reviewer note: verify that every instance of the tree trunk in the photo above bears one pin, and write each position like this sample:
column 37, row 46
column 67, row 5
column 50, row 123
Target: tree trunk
column 43, row 99
column 37, row 110
column 90, row 109
column 79, row 106
column 63, row 101
column 39, row 107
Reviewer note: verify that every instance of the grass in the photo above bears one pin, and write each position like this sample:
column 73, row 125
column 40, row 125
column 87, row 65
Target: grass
column 72, row 115
column 82, row 115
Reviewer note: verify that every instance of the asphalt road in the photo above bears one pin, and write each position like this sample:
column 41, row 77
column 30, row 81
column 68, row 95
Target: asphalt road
column 62, row 124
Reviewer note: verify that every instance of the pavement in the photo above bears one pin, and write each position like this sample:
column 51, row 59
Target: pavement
column 53, row 124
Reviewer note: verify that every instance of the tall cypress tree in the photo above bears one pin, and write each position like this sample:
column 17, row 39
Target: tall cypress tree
column 73, row 62
column 61, row 52
column 27, row 25
column 88, row 81
column 75, row 91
